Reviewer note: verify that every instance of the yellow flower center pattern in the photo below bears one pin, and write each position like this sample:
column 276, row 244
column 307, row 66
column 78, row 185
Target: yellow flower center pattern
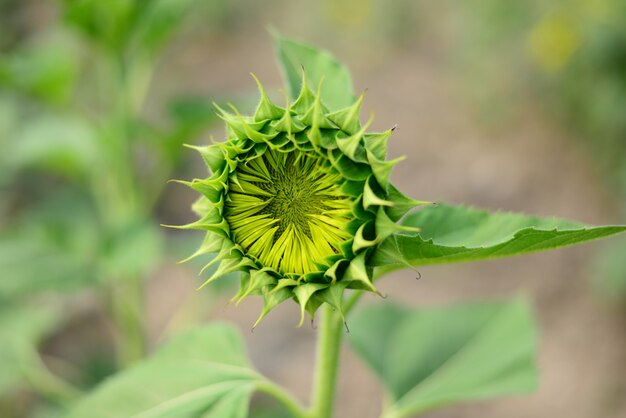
column 287, row 211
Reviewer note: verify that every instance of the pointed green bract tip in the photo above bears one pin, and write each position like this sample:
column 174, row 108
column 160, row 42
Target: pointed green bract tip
column 297, row 200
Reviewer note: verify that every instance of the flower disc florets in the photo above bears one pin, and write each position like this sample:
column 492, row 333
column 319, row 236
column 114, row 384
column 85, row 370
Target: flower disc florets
column 297, row 200
column 288, row 212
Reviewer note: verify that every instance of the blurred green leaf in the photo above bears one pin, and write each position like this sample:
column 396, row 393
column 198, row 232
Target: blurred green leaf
column 57, row 142
column 21, row 328
column 61, row 246
column 201, row 373
column 48, row 412
column 190, row 116
column 46, row 67
column 455, row 233
column 121, row 25
column 132, row 250
column 268, row 412
column 293, row 56
column 52, row 247
column 430, row 358
column 31, row 267
column 192, row 111
column 159, row 20
column 106, row 23
column 8, row 124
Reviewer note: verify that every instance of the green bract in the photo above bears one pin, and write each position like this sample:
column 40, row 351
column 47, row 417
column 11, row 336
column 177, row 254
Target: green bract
column 297, row 199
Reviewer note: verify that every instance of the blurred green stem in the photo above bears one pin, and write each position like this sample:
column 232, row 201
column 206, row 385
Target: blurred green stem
column 42, row 380
column 283, row 398
column 123, row 199
column 128, row 306
column 328, row 349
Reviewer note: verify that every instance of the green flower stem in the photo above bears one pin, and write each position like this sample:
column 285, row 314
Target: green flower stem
column 283, row 397
column 328, row 349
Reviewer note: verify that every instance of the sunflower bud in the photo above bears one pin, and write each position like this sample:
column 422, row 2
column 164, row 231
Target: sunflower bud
column 297, row 199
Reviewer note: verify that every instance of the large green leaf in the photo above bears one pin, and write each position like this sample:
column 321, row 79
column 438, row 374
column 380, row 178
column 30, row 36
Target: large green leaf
column 434, row 357
column 455, row 233
column 200, row 374
column 294, row 56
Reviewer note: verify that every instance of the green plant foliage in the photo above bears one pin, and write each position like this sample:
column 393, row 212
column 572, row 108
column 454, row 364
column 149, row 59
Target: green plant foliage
column 428, row 358
column 158, row 21
column 45, row 68
column 59, row 143
column 192, row 113
column 21, row 328
column 455, row 233
column 79, row 112
column 201, row 373
column 54, row 270
column 82, row 169
column 120, row 24
column 51, row 248
column 132, row 250
column 71, row 249
column 294, row 56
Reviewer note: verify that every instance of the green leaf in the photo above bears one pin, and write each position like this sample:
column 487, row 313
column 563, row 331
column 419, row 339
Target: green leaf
column 455, row 233
column 36, row 266
column 132, row 250
column 21, row 328
column 107, row 24
column 192, row 111
column 141, row 26
column 200, row 374
column 46, row 67
column 190, row 117
column 156, row 23
column 429, row 358
column 293, row 56
column 52, row 246
column 57, row 142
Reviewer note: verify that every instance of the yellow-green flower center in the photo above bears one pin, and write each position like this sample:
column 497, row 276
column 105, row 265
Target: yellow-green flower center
column 287, row 211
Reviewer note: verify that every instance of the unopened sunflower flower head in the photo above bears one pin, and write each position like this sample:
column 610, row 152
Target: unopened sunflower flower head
column 297, row 199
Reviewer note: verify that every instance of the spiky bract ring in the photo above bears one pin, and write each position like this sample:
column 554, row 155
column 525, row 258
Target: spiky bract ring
column 297, row 199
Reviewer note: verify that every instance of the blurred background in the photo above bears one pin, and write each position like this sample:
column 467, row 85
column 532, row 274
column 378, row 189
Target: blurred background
column 515, row 106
